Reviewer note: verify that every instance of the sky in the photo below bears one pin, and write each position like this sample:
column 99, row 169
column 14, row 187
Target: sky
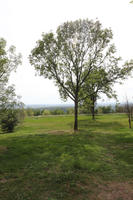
column 23, row 21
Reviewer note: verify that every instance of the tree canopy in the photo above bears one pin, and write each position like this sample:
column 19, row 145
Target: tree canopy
column 9, row 102
column 9, row 60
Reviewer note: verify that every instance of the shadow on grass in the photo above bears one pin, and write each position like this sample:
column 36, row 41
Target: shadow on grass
column 100, row 124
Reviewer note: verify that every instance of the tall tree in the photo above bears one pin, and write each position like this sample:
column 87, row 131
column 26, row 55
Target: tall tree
column 71, row 54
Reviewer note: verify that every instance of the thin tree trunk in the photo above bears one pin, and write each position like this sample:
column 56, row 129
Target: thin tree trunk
column 76, row 116
column 93, row 113
column 93, row 108
column 129, row 120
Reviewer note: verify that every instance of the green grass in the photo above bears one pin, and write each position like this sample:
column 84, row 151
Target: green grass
column 44, row 160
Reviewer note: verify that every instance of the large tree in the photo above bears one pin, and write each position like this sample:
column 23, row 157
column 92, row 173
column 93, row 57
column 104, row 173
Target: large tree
column 71, row 54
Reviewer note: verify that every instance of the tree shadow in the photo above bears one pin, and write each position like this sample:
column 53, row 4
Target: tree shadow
column 99, row 124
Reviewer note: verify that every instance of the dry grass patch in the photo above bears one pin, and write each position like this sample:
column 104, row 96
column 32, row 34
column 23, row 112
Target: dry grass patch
column 116, row 191
column 96, row 189
column 3, row 149
column 59, row 132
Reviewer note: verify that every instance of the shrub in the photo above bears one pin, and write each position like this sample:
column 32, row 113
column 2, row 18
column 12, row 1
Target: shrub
column 57, row 112
column 29, row 112
column 46, row 112
column 70, row 111
column 9, row 119
column 105, row 109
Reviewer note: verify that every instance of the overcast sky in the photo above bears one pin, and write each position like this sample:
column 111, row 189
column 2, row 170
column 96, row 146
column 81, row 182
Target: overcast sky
column 23, row 21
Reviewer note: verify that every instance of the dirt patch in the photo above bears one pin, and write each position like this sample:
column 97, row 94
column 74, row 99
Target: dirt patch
column 3, row 180
column 102, row 190
column 59, row 132
column 116, row 191
column 3, row 149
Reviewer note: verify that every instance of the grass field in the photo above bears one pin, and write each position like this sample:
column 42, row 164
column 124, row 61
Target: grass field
column 44, row 160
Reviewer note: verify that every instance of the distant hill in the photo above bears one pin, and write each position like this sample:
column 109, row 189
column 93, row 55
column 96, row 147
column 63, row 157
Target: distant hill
column 48, row 105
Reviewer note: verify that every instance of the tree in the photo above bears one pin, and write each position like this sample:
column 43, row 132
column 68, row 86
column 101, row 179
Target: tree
column 46, row 112
column 99, row 82
column 119, row 108
column 129, row 112
column 71, row 54
column 9, row 102
column 10, row 110
column 70, row 111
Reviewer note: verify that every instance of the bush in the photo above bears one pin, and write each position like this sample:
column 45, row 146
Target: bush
column 70, row 111
column 57, row 112
column 46, row 112
column 105, row 109
column 29, row 112
column 9, row 120
column 37, row 111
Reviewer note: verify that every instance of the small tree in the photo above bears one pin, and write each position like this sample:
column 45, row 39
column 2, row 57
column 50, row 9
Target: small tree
column 70, row 111
column 10, row 110
column 71, row 54
column 99, row 82
column 29, row 112
column 57, row 111
column 9, row 120
column 119, row 108
column 46, row 112
column 9, row 103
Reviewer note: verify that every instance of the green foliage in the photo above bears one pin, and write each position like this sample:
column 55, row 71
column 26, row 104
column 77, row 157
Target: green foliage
column 9, row 120
column 70, row 111
column 29, row 112
column 46, row 112
column 119, row 108
column 37, row 111
column 57, row 112
column 9, row 102
column 9, row 60
column 105, row 109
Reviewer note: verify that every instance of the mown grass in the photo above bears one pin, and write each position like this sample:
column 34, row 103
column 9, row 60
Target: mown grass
column 44, row 160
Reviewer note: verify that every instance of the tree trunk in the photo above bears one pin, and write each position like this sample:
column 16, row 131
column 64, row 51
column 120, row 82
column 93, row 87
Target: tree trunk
column 129, row 120
column 76, row 116
column 93, row 108
column 93, row 113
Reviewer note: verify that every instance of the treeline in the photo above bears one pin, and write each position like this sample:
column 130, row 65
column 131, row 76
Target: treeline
column 48, row 111
column 70, row 110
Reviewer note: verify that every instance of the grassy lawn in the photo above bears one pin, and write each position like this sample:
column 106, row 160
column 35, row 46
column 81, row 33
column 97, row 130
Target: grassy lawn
column 44, row 160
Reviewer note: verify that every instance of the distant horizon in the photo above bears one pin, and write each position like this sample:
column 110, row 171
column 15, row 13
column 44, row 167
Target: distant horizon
column 69, row 104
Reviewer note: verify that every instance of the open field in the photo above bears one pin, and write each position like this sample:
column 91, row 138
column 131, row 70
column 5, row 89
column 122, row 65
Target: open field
column 44, row 160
